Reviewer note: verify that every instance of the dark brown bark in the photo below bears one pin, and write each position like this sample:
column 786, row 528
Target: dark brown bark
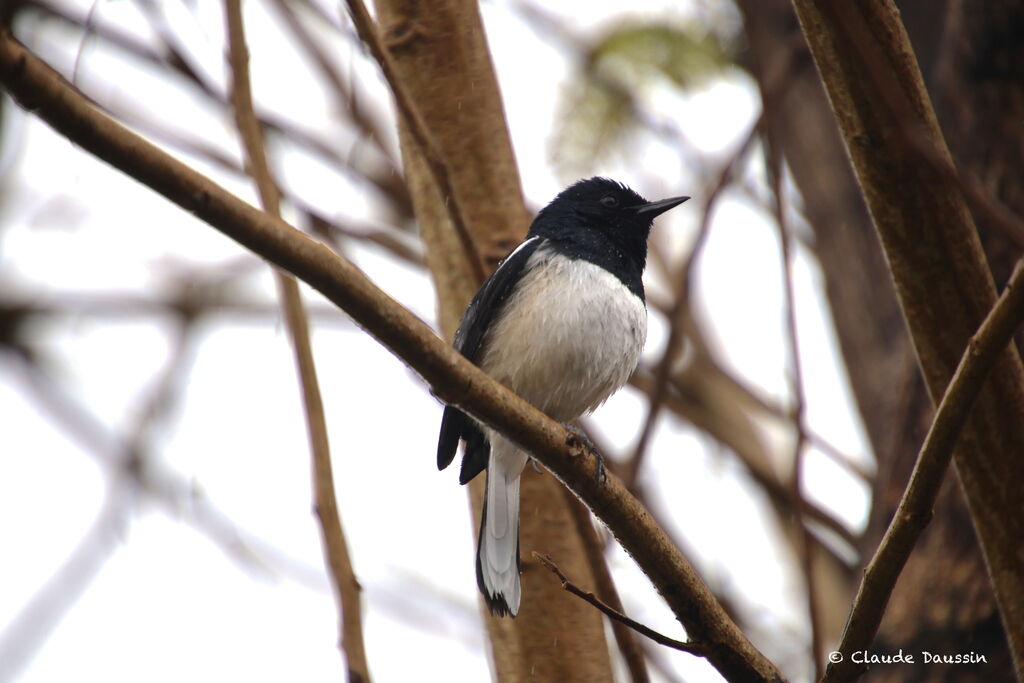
column 935, row 257
column 944, row 601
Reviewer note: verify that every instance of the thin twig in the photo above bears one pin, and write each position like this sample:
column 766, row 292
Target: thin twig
column 347, row 101
column 632, row 653
column 804, row 539
column 335, row 547
column 693, row 648
column 915, row 508
column 418, row 128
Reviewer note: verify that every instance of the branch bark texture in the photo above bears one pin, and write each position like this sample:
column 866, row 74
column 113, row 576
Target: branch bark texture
column 452, row 378
column 915, row 508
column 935, row 257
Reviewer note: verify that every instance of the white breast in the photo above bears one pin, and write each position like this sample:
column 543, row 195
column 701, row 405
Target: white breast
column 569, row 336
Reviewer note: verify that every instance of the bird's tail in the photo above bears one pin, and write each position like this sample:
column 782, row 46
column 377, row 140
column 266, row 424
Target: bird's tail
column 497, row 559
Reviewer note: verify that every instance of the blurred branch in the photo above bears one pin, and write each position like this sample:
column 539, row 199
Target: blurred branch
column 330, row 226
column 130, row 472
column 691, row 647
column 335, row 546
column 28, row 630
column 915, row 508
column 581, row 51
column 120, row 305
column 804, row 539
column 454, row 379
column 681, row 302
column 128, row 456
column 388, row 182
column 944, row 282
column 768, row 480
column 344, row 93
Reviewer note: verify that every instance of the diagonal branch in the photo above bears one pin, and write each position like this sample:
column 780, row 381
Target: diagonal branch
column 450, row 376
column 915, row 509
column 339, row 562
column 935, row 257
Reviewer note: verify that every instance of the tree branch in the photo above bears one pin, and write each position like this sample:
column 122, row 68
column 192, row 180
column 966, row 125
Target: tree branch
column 803, row 541
column 414, row 122
column 632, row 654
column 339, row 562
column 933, row 251
column 451, row 377
column 698, row 649
column 915, row 508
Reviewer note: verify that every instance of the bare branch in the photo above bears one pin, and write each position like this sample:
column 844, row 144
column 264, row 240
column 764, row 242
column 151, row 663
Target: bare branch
column 632, row 653
column 339, row 562
column 28, row 630
column 696, row 649
column 682, row 301
column 804, row 544
column 915, row 509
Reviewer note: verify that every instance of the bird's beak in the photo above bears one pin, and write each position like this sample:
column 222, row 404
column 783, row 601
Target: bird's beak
column 660, row 207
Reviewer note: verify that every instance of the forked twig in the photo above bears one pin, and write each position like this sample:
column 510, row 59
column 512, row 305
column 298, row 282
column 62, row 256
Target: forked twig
column 696, row 649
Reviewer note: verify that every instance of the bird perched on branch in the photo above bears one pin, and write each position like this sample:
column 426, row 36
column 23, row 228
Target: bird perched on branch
column 561, row 322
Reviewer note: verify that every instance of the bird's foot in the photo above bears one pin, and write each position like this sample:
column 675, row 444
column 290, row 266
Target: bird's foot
column 578, row 435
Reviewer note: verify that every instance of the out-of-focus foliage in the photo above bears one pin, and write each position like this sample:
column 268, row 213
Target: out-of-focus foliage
column 600, row 108
column 686, row 56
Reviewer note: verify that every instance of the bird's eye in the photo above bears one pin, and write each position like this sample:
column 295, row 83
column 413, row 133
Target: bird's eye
column 609, row 202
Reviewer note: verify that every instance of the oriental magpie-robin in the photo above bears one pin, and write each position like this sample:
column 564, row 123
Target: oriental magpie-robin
column 561, row 322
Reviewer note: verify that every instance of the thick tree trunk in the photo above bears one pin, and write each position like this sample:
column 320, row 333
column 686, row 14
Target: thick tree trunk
column 943, row 602
column 935, row 256
column 441, row 55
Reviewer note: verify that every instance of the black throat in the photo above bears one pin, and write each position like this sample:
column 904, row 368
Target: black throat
column 623, row 253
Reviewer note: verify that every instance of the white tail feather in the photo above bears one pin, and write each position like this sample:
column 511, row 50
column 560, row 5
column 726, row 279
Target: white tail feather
column 499, row 540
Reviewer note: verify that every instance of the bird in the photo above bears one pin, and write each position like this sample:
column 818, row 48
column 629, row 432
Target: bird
column 562, row 322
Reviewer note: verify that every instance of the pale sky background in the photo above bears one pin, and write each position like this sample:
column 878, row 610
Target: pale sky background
column 170, row 604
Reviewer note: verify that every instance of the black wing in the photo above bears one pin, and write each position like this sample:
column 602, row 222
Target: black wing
column 469, row 339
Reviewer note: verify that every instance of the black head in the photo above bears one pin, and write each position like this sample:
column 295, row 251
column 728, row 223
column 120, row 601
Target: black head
column 605, row 222
column 602, row 205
